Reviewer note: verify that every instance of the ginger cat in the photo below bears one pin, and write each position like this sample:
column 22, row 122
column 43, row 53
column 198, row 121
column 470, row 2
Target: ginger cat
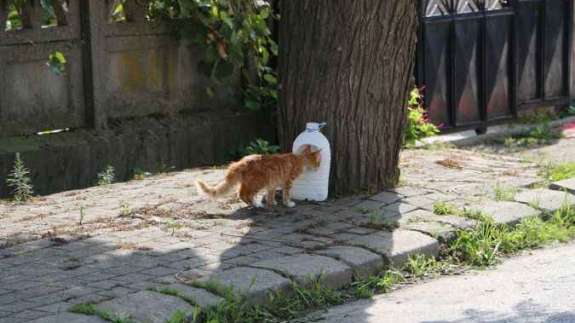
column 255, row 173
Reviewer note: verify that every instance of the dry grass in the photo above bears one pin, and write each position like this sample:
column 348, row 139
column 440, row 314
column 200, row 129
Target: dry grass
column 449, row 163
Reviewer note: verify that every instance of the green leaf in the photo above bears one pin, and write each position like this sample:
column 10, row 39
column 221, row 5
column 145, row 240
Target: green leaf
column 57, row 62
column 271, row 79
column 252, row 105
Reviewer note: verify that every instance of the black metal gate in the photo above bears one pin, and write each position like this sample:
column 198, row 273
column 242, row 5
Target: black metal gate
column 486, row 60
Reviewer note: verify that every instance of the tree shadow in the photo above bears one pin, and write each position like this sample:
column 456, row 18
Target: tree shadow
column 44, row 278
column 155, row 246
column 526, row 311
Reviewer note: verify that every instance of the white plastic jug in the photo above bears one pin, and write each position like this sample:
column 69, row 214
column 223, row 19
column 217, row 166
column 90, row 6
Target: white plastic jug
column 313, row 185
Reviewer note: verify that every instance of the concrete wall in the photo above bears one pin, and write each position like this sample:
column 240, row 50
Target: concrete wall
column 72, row 160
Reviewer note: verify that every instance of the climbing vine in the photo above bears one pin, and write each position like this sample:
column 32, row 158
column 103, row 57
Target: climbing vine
column 237, row 42
column 235, row 36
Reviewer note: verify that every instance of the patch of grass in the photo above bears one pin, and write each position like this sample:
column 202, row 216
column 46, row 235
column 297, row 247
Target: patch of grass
column 444, row 208
column 474, row 214
column 421, row 266
column 91, row 309
column 541, row 134
column 85, row 308
column 383, row 283
column 214, row 287
column 183, row 317
column 483, row 245
column 174, row 292
column 314, row 297
column 281, row 306
column 107, row 176
column 234, row 310
column 504, row 193
column 478, row 247
column 19, row 181
column 125, row 209
column 558, row 172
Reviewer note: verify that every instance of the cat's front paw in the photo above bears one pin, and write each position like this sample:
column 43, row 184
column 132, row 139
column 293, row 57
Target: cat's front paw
column 257, row 203
column 290, row 204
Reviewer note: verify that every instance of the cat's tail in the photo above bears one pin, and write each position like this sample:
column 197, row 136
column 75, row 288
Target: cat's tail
column 221, row 189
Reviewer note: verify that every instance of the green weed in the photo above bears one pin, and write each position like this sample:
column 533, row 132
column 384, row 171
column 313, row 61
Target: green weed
column 315, row 296
column 378, row 221
column 558, row 172
column 421, row 266
column 444, row 208
column 505, row 193
column 382, row 283
column 125, row 209
column 474, row 214
column 107, row 176
column 483, row 245
column 418, row 125
column 19, row 181
column 91, row 309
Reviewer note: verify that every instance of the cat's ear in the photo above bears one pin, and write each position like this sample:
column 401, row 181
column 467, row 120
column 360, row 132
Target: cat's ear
column 307, row 149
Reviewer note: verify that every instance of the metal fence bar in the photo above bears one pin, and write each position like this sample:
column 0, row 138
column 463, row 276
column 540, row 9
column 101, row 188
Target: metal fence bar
column 538, row 69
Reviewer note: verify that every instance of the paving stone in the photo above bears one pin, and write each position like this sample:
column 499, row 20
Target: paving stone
column 409, row 191
column 566, row 185
column 306, row 268
column 363, row 262
column 8, row 299
column 116, row 292
column 441, row 231
column 256, row 284
column 61, row 307
column 398, row 245
column 199, row 296
column 545, row 199
column 29, row 315
column 69, row 318
column 387, row 197
column 458, row 222
column 146, row 307
column 420, row 201
column 368, row 206
column 506, row 212
column 17, row 307
column 400, row 207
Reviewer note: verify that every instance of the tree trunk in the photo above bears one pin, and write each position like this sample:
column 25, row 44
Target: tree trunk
column 349, row 63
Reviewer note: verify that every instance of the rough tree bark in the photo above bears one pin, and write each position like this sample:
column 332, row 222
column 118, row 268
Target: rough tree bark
column 349, row 63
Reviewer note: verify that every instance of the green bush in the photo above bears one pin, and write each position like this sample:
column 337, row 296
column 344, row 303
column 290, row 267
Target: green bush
column 418, row 124
column 19, row 181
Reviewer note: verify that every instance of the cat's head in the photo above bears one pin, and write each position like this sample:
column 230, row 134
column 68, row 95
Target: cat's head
column 312, row 158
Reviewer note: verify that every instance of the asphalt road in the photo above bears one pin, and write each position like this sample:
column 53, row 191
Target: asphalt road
column 535, row 287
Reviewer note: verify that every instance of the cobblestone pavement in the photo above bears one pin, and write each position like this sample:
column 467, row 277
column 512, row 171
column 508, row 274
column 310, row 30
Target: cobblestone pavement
column 110, row 244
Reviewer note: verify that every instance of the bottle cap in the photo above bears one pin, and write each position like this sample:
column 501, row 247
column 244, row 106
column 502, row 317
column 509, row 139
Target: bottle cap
column 315, row 126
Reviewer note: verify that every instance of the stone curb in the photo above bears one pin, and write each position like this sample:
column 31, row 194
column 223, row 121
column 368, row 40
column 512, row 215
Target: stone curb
column 470, row 138
column 357, row 257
